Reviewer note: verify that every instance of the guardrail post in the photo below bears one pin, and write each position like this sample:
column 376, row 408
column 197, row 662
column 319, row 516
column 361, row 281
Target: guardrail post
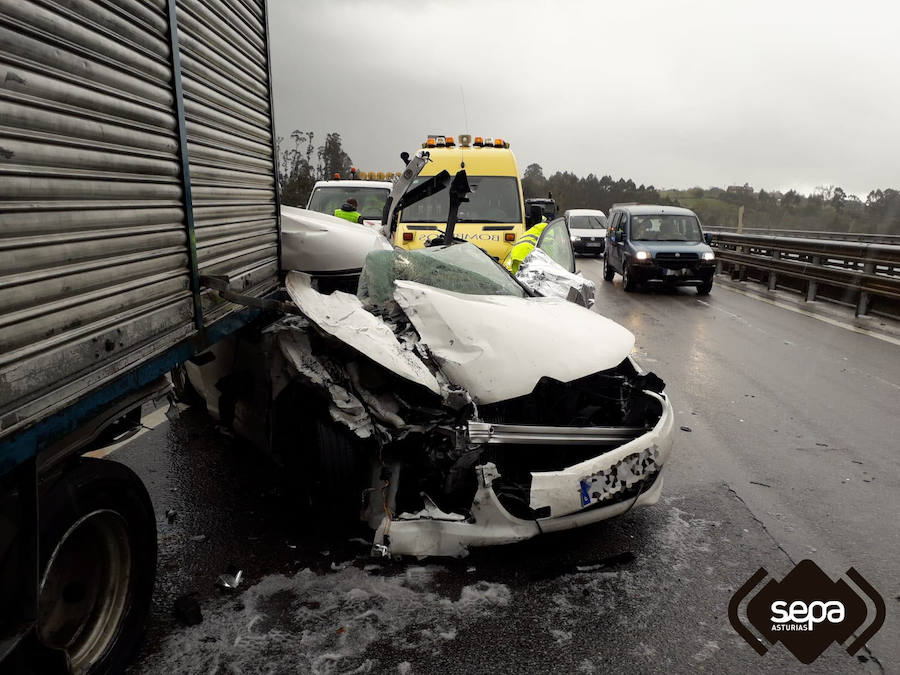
column 812, row 286
column 773, row 276
column 862, row 305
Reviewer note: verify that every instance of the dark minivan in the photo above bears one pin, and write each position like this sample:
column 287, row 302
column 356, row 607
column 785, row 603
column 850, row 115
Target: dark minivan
column 658, row 245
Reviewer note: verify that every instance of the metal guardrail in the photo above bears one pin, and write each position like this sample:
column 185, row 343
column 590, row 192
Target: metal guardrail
column 864, row 269
column 818, row 234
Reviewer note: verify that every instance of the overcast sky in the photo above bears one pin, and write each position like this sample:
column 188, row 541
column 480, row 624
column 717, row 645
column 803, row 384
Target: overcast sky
column 778, row 94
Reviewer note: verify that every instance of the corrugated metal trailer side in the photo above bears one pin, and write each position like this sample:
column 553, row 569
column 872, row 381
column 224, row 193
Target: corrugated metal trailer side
column 134, row 158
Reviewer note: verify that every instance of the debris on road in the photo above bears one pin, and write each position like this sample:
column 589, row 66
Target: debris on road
column 601, row 565
column 187, row 610
column 230, row 581
column 753, row 482
column 688, row 429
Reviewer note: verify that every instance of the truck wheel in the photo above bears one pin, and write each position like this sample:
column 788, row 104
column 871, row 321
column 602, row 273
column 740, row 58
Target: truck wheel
column 608, row 271
column 705, row 287
column 98, row 562
column 628, row 281
column 336, row 479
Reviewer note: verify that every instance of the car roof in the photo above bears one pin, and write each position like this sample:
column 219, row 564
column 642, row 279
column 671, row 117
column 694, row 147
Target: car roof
column 345, row 183
column 653, row 209
column 584, row 212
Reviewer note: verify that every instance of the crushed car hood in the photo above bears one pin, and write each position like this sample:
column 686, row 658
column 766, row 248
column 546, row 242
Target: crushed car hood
column 343, row 316
column 498, row 347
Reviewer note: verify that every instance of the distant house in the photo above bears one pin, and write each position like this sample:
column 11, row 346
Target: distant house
column 744, row 189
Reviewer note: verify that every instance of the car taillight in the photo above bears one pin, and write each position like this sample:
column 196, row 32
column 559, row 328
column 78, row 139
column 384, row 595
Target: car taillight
column 509, row 236
column 407, row 236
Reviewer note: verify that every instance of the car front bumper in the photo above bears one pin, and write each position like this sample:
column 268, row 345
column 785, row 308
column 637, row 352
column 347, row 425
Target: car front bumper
column 589, row 246
column 694, row 274
column 578, row 495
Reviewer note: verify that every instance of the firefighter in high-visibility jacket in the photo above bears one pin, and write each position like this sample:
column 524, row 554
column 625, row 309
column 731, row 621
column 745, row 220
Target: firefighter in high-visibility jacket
column 524, row 245
column 348, row 211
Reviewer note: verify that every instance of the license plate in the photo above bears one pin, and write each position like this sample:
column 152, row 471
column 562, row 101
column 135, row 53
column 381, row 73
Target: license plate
column 594, row 243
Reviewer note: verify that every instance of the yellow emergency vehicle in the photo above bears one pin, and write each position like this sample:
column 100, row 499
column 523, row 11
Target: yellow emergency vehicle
column 494, row 216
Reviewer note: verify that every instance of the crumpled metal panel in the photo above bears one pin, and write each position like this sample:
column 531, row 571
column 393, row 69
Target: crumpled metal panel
column 94, row 273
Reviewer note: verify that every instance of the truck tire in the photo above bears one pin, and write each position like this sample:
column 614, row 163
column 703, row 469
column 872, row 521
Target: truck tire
column 705, row 287
column 608, row 271
column 98, row 566
column 628, row 280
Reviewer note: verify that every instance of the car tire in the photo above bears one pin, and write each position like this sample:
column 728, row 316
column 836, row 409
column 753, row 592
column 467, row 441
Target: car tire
column 705, row 287
column 608, row 271
column 628, row 281
column 98, row 567
column 184, row 390
column 336, row 479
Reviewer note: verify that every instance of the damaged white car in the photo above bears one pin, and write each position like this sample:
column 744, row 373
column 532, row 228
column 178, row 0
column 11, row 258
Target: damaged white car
column 446, row 403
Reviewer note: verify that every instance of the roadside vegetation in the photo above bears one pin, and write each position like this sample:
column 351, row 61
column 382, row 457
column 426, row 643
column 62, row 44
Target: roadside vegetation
column 827, row 209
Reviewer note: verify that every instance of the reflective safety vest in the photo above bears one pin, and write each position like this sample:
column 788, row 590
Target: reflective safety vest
column 523, row 246
column 352, row 216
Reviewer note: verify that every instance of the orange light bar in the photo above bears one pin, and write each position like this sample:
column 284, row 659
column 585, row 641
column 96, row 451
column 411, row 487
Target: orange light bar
column 430, row 143
column 407, row 236
column 450, row 142
column 441, row 141
column 380, row 175
column 498, row 143
column 337, row 176
column 479, row 141
column 352, row 169
column 510, row 236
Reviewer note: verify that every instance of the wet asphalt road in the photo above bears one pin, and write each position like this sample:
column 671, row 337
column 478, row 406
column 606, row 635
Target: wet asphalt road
column 791, row 454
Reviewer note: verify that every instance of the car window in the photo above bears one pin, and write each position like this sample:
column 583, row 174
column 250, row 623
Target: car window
column 587, row 222
column 557, row 244
column 494, row 199
column 666, row 227
column 620, row 225
column 370, row 199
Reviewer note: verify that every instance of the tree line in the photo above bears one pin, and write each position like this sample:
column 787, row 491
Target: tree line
column 828, row 208
column 301, row 164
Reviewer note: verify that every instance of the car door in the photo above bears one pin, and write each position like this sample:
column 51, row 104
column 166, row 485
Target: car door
column 556, row 242
column 617, row 242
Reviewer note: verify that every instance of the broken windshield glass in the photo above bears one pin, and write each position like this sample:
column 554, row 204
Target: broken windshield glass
column 463, row 268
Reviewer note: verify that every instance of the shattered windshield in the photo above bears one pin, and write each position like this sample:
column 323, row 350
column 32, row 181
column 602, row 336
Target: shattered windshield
column 494, row 199
column 463, row 268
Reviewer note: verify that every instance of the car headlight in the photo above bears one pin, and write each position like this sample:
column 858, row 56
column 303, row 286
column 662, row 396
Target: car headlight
column 574, row 238
column 709, row 255
column 642, row 255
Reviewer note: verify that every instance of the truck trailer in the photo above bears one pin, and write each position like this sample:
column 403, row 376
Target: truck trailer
column 139, row 192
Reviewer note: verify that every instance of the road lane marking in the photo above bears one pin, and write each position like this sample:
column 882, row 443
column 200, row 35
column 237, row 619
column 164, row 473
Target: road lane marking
column 812, row 315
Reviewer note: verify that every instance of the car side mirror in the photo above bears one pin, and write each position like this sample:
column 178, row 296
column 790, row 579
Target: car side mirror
column 707, row 237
